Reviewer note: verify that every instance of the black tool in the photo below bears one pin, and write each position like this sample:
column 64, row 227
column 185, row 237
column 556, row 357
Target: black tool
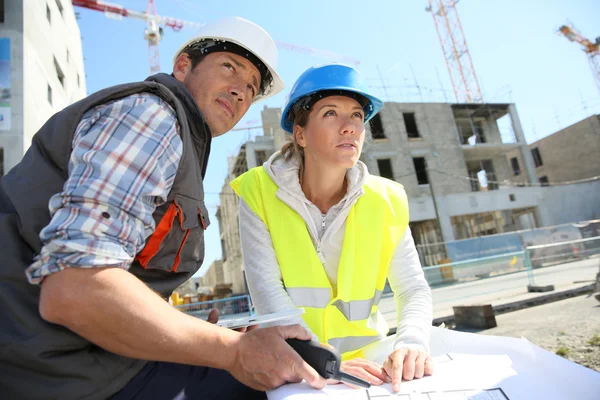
column 325, row 361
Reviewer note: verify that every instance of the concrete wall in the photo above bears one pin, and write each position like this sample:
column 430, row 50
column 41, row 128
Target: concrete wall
column 569, row 154
column 438, row 144
column 260, row 143
column 555, row 204
column 494, row 200
column 569, row 203
column 271, row 118
column 501, row 168
column 35, row 44
column 214, row 275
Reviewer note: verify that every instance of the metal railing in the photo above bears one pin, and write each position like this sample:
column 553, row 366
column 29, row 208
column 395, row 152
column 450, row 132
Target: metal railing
column 227, row 307
column 468, row 270
column 557, row 253
column 531, row 258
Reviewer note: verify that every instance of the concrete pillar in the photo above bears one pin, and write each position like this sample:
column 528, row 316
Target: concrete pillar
column 444, row 220
column 525, row 152
column 250, row 155
column 541, row 215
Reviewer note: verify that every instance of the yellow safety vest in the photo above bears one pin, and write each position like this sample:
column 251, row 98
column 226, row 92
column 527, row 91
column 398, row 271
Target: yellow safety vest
column 374, row 226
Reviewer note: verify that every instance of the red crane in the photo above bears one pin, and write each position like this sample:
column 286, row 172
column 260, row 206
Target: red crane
column 155, row 23
column 454, row 45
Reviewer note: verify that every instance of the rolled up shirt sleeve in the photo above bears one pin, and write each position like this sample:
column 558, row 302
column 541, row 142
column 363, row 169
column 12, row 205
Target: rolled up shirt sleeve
column 122, row 166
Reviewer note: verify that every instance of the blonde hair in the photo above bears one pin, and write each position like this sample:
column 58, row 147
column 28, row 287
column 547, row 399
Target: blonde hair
column 292, row 149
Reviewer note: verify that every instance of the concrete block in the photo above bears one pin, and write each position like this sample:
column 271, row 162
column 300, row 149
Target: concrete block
column 475, row 317
column 540, row 289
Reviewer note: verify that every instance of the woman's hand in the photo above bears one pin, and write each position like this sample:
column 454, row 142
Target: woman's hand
column 364, row 369
column 407, row 363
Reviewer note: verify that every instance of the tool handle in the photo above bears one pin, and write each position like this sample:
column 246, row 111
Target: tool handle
column 324, row 360
column 354, row 380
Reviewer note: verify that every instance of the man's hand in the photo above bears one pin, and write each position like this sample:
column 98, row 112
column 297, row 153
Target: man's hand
column 265, row 361
column 407, row 363
column 213, row 316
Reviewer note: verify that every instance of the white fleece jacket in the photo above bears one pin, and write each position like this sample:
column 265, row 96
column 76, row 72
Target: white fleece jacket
column 411, row 291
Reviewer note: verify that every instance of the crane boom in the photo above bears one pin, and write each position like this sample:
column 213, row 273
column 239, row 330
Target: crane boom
column 153, row 32
column 110, row 8
column 454, row 46
column 592, row 49
column 308, row 50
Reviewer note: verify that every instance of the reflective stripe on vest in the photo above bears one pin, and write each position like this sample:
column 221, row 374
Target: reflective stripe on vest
column 352, row 343
column 310, row 297
column 353, row 310
column 374, row 227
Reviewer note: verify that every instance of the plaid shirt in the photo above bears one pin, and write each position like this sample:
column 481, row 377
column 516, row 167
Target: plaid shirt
column 123, row 163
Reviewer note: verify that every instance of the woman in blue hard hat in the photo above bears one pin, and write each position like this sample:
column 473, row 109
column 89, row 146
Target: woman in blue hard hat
column 320, row 233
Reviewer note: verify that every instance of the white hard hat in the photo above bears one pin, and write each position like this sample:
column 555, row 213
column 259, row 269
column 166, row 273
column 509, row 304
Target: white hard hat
column 250, row 37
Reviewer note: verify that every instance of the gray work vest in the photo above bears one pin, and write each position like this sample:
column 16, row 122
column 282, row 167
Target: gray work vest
column 39, row 360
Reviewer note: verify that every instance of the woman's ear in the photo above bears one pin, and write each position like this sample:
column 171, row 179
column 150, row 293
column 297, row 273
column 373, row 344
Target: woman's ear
column 299, row 135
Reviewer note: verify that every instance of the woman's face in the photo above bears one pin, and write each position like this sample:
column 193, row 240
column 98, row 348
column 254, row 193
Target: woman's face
column 334, row 134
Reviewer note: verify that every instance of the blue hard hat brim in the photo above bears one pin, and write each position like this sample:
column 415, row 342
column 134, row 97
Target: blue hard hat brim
column 375, row 104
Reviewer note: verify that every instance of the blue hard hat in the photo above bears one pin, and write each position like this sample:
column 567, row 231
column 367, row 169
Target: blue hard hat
column 328, row 80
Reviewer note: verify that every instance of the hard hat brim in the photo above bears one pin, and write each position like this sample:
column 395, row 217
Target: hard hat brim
column 375, row 102
column 276, row 82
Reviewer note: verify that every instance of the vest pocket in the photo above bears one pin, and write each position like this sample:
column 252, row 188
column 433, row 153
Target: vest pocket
column 177, row 244
column 203, row 214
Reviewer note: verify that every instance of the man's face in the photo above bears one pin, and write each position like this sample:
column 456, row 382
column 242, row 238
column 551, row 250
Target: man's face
column 224, row 86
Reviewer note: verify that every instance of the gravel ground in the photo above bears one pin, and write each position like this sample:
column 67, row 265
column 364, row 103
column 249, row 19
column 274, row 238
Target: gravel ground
column 570, row 328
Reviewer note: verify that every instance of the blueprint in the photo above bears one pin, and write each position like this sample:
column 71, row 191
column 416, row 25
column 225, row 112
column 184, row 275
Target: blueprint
column 485, row 394
column 470, row 366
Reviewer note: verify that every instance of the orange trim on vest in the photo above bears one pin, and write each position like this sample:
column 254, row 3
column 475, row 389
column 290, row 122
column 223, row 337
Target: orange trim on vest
column 177, row 258
column 180, row 215
column 153, row 245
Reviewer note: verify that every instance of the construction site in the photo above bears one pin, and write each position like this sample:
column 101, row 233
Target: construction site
column 449, row 200
column 485, row 202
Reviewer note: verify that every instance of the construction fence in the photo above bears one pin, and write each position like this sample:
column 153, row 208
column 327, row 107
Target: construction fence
column 495, row 255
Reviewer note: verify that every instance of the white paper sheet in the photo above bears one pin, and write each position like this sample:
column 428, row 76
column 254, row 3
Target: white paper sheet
column 455, row 375
column 481, row 367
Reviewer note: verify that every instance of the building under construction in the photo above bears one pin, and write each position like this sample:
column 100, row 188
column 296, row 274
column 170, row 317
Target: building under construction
column 453, row 160
column 41, row 71
column 570, row 154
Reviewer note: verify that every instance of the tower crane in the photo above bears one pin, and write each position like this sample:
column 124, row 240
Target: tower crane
column 155, row 23
column 592, row 49
column 454, row 45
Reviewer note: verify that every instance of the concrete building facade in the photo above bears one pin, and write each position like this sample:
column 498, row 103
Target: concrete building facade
column 571, row 154
column 440, row 151
column 231, row 247
column 45, row 69
column 452, row 161
column 213, row 276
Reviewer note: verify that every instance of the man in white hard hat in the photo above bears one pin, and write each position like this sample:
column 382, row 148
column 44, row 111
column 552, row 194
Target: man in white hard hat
column 104, row 217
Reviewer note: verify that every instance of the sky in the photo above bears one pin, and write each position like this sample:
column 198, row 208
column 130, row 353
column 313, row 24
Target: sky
column 517, row 55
